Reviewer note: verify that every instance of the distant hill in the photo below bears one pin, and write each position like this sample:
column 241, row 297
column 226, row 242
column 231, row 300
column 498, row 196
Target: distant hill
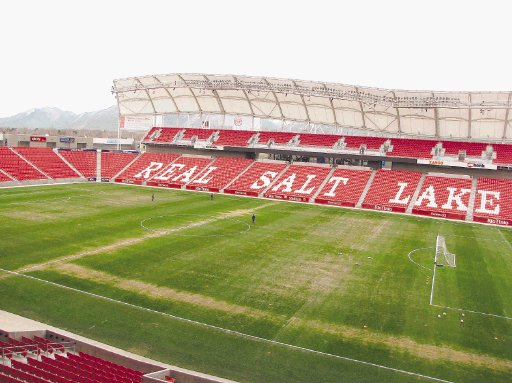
column 55, row 118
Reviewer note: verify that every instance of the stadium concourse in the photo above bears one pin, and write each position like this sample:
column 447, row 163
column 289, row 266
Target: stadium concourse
column 217, row 161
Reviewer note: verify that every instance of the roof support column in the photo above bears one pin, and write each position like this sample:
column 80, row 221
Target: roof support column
column 363, row 116
column 147, row 93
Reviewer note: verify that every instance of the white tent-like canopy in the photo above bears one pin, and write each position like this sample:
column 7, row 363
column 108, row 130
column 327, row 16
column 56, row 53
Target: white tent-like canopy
column 483, row 116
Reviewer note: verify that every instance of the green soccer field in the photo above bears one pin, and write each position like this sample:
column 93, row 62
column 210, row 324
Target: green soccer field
column 307, row 294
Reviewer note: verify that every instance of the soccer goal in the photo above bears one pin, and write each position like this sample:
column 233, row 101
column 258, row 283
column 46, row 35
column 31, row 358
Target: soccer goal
column 443, row 256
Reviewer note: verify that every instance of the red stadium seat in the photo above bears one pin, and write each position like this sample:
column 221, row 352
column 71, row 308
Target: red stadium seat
column 113, row 162
column 298, row 182
column 83, row 161
column 218, row 174
column 493, row 201
column 146, row 166
column 180, row 172
column 344, row 187
column 445, row 197
column 255, row 178
column 17, row 167
column 391, row 190
column 47, row 161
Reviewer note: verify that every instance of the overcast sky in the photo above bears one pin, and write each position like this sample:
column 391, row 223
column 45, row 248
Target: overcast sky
column 66, row 53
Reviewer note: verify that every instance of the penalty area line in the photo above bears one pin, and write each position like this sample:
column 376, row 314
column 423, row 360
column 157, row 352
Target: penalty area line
column 471, row 311
column 228, row 331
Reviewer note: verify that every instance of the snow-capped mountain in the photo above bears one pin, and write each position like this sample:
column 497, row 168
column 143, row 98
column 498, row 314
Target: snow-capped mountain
column 43, row 118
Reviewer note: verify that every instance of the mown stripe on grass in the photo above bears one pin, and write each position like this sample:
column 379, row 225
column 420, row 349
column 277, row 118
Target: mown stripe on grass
column 232, row 332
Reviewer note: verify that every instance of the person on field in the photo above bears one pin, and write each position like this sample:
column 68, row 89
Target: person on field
column 211, row 196
column 152, row 197
column 253, row 219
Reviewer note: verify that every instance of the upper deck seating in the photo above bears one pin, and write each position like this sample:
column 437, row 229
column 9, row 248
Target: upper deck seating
column 279, row 138
column 503, row 154
column 473, row 149
column 405, row 147
column 200, row 133
column 318, row 140
column 372, row 143
column 234, row 137
column 161, row 135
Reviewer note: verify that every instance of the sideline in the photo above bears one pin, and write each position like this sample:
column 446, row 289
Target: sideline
column 231, row 332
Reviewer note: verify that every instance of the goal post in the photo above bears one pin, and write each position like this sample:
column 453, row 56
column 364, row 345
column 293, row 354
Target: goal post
column 443, row 256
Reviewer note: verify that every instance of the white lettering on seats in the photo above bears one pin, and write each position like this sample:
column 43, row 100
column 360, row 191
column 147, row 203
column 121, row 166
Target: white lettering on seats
column 185, row 176
column 153, row 166
column 336, row 181
column 265, row 179
column 396, row 199
column 427, row 194
column 202, row 179
column 288, row 182
column 303, row 189
column 169, row 172
column 486, row 202
column 457, row 198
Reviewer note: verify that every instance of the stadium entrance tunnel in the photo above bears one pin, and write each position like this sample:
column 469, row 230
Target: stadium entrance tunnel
column 196, row 225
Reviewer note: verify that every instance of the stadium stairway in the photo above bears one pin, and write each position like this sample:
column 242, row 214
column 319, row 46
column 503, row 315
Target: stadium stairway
column 126, row 167
column 29, row 162
column 262, row 193
column 472, row 197
column 366, row 188
column 320, row 188
column 56, row 151
column 416, row 194
column 4, row 176
column 237, row 177
column 253, row 180
column 218, row 173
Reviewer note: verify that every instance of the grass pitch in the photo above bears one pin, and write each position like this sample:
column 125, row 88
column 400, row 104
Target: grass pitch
column 308, row 294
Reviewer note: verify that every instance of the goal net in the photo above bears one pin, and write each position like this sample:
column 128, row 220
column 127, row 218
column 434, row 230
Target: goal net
column 443, row 256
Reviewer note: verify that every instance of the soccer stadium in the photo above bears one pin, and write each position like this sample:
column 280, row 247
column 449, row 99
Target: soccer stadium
column 267, row 230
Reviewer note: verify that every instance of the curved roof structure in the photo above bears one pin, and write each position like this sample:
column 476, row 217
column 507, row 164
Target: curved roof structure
column 483, row 116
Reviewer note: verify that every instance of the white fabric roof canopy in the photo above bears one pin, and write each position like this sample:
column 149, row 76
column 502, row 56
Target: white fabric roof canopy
column 457, row 115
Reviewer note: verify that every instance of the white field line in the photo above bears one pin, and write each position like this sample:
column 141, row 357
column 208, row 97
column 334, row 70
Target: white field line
column 231, row 332
column 472, row 311
column 211, row 219
column 457, row 308
column 504, row 239
column 151, row 234
column 479, row 238
column 413, row 261
column 405, row 216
